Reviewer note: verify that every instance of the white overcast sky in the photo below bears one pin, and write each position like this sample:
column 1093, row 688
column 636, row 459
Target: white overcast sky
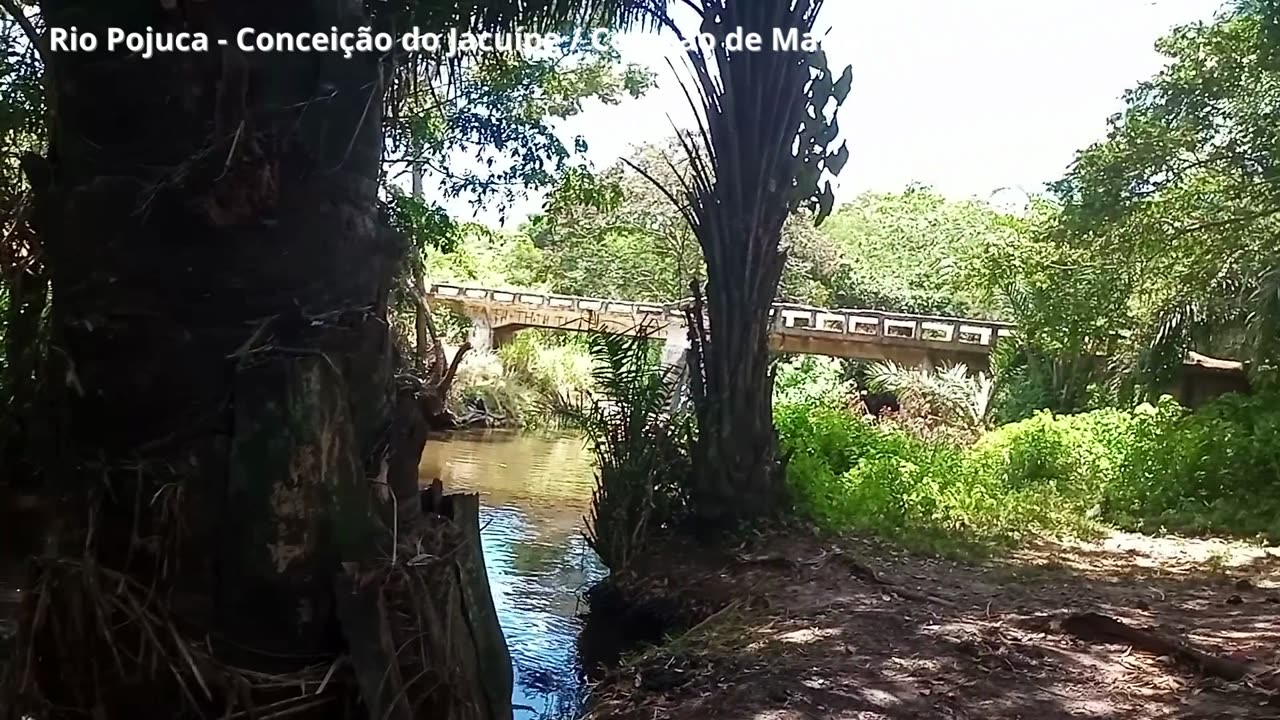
column 968, row 96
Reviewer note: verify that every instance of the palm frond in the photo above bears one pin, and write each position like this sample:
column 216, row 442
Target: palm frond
column 949, row 392
column 639, row 450
column 531, row 15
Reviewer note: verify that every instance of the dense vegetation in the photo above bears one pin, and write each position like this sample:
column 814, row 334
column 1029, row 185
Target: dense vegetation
column 1155, row 468
column 1158, row 241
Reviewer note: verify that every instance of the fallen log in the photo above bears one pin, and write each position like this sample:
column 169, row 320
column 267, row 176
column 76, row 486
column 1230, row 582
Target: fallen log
column 1096, row 627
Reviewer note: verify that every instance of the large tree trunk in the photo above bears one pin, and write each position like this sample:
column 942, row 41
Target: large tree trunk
column 737, row 472
column 749, row 171
column 229, row 441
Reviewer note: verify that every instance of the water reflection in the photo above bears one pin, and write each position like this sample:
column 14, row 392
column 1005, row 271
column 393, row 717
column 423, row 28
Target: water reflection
column 534, row 491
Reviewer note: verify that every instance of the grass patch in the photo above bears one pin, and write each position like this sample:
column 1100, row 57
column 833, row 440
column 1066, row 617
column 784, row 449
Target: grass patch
column 1152, row 469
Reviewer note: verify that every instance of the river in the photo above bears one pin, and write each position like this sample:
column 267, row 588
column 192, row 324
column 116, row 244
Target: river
column 534, row 491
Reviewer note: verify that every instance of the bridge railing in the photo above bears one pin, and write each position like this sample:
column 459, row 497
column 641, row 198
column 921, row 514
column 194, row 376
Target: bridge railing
column 875, row 324
column 553, row 301
column 869, row 325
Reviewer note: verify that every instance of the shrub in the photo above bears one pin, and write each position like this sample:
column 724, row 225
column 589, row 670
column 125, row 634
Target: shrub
column 1214, row 470
column 641, row 452
column 812, row 379
column 1157, row 467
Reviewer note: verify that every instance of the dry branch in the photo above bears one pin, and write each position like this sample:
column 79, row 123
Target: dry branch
column 1096, row 627
column 857, row 569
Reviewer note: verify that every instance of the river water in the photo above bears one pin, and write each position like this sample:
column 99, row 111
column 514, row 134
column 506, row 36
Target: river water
column 534, row 491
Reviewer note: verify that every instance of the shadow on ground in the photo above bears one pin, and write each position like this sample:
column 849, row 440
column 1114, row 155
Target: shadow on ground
column 805, row 632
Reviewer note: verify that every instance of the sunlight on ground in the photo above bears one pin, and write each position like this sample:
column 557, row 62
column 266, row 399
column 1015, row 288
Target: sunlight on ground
column 935, row 635
column 1169, row 555
column 807, row 635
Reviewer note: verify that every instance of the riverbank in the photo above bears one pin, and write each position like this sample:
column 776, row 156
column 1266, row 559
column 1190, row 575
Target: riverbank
column 802, row 628
column 514, row 386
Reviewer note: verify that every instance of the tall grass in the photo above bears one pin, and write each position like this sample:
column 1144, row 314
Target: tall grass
column 549, row 365
column 516, row 382
column 1154, row 468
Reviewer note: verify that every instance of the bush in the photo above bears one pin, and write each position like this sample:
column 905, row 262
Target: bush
column 1155, row 468
column 1215, row 470
column 518, row 381
column 812, row 379
column 642, row 453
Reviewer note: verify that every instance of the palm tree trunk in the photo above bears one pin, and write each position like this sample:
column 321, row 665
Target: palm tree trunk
column 738, row 475
column 227, row 436
column 750, row 170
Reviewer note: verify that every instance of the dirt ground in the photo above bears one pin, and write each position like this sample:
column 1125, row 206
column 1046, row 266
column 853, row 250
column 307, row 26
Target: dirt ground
column 799, row 629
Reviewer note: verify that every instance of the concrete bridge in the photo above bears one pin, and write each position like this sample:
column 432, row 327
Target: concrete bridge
column 916, row 340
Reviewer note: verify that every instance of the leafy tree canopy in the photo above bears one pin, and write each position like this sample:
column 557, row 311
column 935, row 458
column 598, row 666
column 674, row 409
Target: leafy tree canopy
column 487, row 130
column 911, row 251
column 1176, row 212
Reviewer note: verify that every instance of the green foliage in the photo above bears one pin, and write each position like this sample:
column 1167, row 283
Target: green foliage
column 1154, row 468
column 426, row 225
column 500, row 109
column 1168, row 227
column 487, row 257
column 913, row 251
column 850, row 474
column 812, row 379
column 641, row 452
column 617, row 235
column 1215, row 470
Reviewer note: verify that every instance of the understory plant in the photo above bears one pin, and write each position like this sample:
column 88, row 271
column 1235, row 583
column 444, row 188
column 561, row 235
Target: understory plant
column 1154, row 468
column 945, row 403
column 641, row 449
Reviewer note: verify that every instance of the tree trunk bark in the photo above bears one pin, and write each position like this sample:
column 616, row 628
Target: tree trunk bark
column 229, row 453
column 738, row 476
column 28, row 289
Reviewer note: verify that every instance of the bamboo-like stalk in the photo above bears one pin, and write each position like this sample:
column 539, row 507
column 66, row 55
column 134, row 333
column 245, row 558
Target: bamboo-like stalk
column 756, row 155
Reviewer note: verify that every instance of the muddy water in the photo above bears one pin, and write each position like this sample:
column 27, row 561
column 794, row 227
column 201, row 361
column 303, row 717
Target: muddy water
column 534, row 491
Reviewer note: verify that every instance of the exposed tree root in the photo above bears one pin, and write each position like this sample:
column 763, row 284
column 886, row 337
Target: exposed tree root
column 414, row 633
column 1096, row 627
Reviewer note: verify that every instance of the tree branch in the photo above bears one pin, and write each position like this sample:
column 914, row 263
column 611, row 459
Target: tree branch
column 37, row 42
column 1224, row 222
column 443, row 387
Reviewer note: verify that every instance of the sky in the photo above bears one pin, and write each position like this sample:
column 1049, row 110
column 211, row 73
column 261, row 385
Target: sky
column 985, row 98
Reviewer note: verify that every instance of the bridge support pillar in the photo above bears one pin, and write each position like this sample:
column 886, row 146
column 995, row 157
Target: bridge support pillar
column 481, row 336
column 503, row 335
column 675, row 362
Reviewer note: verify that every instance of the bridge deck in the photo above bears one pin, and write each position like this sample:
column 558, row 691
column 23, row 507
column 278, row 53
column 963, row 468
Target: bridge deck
column 794, row 328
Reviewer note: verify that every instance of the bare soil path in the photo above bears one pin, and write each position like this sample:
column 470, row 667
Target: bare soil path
column 799, row 628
